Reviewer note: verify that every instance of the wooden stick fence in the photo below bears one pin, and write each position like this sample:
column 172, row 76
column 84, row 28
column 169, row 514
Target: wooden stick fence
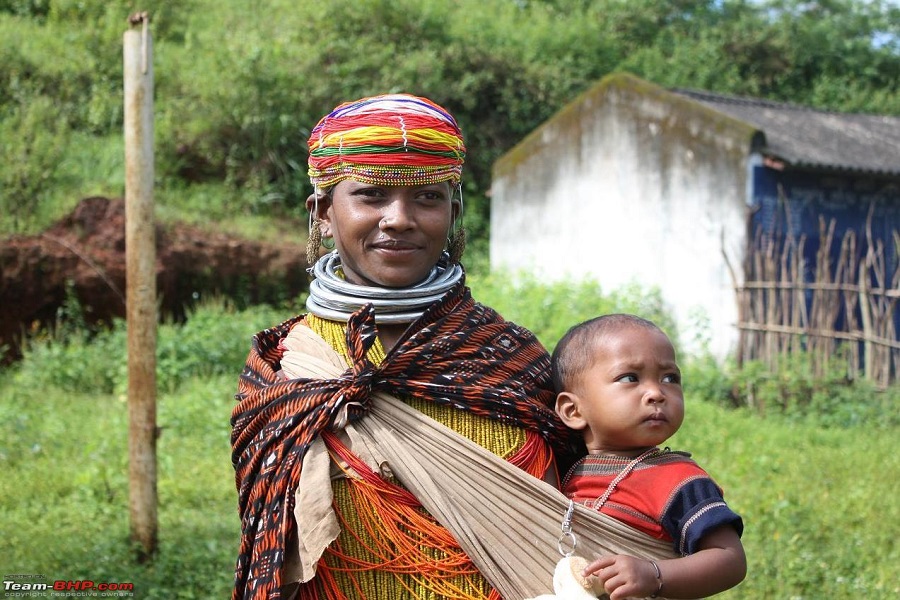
column 842, row 306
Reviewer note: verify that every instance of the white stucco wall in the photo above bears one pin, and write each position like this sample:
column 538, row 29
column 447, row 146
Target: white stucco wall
column 625, row 186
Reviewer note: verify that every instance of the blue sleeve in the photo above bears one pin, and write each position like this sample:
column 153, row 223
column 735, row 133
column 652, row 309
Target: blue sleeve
column 694, row 511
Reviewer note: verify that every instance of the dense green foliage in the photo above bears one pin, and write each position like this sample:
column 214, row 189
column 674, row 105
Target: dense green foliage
column 239, row 84
column 550, row 309
column 812, row 498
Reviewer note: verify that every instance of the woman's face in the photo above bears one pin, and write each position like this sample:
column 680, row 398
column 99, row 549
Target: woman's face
column 389, row 236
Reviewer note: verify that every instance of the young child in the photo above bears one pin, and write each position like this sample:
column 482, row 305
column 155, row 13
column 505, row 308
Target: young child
column 618, row 382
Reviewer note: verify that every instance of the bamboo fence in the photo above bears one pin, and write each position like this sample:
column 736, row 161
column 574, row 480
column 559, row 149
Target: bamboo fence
column 840, row 307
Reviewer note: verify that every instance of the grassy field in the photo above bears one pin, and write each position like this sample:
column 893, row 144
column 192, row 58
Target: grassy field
column 64, row 493
column 818, row 504
column 819, row 520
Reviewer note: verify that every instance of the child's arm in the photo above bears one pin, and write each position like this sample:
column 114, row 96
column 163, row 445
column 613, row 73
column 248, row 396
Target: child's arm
column 718, row 565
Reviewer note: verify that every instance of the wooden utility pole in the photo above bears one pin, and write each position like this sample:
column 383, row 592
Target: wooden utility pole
column 140, row 261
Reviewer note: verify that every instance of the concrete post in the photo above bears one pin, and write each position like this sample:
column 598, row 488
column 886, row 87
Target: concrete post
column 140, row 259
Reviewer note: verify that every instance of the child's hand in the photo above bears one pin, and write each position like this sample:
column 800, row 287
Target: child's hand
column 624, row 576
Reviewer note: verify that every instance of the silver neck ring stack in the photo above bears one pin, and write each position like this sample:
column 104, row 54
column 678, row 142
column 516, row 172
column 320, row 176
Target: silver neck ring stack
column 332, row 297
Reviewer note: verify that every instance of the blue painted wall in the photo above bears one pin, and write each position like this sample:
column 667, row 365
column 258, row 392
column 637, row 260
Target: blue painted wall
column 844, row 198
column 786, row 201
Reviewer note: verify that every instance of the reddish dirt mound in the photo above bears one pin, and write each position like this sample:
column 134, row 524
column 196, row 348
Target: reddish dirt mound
column 85, row 252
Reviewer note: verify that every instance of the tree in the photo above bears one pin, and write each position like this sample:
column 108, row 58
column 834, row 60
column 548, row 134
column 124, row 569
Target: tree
column 240, row 84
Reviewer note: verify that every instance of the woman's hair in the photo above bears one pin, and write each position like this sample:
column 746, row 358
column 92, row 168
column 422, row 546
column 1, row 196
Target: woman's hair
column 574, row 353
column 392, row 139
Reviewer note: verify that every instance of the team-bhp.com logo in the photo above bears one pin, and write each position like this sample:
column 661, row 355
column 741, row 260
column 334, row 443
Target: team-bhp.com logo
column 67, row 588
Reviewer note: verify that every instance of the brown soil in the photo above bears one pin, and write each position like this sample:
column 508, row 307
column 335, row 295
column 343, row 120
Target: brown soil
column 85, row 252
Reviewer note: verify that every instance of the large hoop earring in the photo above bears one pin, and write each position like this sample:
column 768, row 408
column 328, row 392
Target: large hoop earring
column 313, row 241
column 456, row 244
column 456, row 239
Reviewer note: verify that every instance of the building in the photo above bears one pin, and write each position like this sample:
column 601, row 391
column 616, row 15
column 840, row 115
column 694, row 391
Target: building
column 635, row 183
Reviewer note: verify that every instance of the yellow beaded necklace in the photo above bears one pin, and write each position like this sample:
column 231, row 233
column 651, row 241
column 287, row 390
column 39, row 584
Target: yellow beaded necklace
column 499, row 438
column 335, row 333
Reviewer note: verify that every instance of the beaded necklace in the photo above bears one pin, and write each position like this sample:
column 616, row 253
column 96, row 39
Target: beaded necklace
column 599, row 502
column 335, row 333
column 334, row 298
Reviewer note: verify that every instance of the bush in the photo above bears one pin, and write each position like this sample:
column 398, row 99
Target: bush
column 34, row 138
column 214, row 340
column 550, row 309
column 795, row 391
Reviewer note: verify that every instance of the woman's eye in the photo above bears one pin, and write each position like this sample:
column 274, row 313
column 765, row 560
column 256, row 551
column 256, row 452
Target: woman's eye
column 430, row 196
column 366, row 193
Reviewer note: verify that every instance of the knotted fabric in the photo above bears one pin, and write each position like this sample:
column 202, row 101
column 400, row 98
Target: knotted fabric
column 459, row 353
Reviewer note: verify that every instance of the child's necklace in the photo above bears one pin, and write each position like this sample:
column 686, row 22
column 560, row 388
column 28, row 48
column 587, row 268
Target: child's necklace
column 599, row 502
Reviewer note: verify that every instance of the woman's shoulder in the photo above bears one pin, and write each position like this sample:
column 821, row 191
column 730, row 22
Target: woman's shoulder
column 270, row 337
column 492, row 315
column 282, row 328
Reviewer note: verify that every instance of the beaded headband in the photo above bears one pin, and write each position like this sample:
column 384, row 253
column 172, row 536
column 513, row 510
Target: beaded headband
column 394, row 139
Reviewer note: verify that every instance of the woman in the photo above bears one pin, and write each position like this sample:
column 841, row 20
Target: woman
column 393, row 304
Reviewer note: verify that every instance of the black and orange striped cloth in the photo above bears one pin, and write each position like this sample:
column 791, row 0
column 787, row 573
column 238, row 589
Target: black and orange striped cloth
column 458, row 353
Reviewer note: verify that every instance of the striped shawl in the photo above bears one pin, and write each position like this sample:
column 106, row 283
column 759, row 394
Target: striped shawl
column 459, row 353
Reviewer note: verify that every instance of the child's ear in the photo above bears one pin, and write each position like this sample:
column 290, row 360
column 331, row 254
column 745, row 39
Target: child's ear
column 567, row 409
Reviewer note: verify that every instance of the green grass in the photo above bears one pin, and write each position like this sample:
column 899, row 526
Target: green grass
column 818, row 517
column 64, row 492
column 817, row 503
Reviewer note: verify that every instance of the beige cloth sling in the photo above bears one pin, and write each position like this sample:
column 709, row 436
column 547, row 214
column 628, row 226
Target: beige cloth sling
column 508, row 522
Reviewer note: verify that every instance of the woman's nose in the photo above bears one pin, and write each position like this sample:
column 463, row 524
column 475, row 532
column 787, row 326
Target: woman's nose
column 396, row 215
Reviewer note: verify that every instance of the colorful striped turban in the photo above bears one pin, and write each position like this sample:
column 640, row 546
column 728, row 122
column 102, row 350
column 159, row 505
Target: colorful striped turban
column 394, row 139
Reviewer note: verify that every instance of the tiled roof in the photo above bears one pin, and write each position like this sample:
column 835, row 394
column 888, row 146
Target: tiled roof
column 806, row 138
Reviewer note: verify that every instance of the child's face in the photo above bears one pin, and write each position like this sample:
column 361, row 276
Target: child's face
column 630, row 398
